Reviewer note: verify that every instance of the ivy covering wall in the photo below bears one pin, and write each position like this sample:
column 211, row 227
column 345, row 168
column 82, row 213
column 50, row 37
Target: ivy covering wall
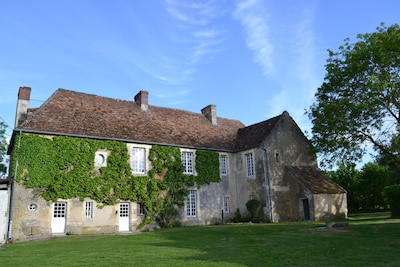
column 62, row 167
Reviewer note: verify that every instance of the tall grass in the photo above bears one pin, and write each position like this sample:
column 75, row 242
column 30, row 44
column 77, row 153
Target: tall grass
column 368, row 240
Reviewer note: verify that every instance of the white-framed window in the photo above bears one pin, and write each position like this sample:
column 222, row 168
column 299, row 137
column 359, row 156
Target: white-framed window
column 226, row 204
column 191, row 210
column 187, row 161
column 223, row 164
column 249, row 165
column 138, row 160
column 88, row 210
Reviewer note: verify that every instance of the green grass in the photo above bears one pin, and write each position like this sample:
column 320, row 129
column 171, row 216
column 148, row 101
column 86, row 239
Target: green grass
column 368, row 240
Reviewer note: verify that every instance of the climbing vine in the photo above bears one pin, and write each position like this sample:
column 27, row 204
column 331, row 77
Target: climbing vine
column 63, row 167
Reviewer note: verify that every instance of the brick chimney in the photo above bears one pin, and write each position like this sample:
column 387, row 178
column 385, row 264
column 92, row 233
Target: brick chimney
column 211, row 113
column 142, row 99
column 24, row 96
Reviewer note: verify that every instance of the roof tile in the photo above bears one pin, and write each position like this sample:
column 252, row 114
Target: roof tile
column 314, row 180
column 72, row 113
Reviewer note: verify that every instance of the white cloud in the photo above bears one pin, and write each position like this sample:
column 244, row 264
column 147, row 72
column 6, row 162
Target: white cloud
column 254, row 19
column 194, row 26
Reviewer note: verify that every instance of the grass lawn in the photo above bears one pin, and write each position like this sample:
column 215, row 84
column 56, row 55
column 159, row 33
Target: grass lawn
column 368, row 240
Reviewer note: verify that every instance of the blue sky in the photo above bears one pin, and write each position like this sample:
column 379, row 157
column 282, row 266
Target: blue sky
column 252, row 59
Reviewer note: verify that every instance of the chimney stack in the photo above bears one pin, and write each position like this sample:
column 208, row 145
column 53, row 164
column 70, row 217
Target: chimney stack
column 24, row 96
column 211, row 113
column 142, row 99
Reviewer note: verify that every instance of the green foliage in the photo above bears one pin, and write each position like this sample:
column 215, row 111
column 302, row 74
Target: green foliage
column 392, row 193
column 63, row 167
column 207, row 167
column 237, row 216
column 357, row 105
column 254, row 207
column 3, row 147
column 371, row 186
column 365, row 188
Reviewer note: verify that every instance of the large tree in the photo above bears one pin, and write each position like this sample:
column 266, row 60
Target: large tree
column 358, row 104
column 3, row 148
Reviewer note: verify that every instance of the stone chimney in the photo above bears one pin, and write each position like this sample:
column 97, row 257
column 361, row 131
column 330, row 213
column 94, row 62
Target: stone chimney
column 211, row 113
column 24, row 96
column 142, row 99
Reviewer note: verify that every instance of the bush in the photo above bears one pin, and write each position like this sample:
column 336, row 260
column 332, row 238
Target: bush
column 254, row 207
column 392, row 193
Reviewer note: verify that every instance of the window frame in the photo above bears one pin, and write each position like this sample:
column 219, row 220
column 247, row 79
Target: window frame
column 188, row 162
column 223, row 164
column 138, row 162
column 89, row 209
column 226, row 204
column 191, row 204
column 249, row 158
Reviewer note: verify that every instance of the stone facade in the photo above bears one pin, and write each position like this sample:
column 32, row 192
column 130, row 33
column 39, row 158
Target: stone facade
column 268, row 161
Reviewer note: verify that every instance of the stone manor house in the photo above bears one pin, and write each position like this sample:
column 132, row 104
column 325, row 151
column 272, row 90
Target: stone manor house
column 268, row 161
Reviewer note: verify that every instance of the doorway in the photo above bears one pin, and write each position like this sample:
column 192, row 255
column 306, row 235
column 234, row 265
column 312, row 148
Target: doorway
column 59, row 217
column 306, row 209
column 124, row 217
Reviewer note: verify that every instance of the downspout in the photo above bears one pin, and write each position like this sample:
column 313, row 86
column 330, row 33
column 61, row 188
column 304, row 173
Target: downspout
column 268, row 178
column 10, row 221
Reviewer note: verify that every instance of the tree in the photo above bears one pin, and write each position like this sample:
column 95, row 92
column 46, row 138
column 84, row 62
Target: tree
column 358, row 104
column 3, row 148
column 371, row 187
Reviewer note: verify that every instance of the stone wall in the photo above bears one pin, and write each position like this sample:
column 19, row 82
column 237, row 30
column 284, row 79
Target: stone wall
column 29, row 224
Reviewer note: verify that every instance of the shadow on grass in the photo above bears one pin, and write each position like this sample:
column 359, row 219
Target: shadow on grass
column 370, row 218
column 285, row 244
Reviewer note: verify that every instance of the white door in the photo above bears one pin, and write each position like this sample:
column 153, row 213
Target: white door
column 123, row 217
column 59, row 217
column 3, row 215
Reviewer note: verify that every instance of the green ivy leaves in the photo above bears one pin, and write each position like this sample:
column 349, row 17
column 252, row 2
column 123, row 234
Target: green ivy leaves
column 63, row 167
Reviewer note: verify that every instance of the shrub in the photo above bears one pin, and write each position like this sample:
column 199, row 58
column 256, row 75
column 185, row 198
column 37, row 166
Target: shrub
column 254, row 207
column 392, row 193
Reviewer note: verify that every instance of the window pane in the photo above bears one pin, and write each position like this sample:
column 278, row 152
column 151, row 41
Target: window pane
column 226, row 204
column 187, row 161
column 191, row 204
column 249, row 164
column 89, row 210
column 138, row 160
column 223, row 164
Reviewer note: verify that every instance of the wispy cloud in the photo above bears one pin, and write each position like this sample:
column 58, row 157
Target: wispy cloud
column 254, row 19
column 301, row 78
column 195, row 26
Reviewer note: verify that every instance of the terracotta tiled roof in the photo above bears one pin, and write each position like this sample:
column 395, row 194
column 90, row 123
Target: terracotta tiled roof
column 314, row 180
column 254, row 134
column 71, row 113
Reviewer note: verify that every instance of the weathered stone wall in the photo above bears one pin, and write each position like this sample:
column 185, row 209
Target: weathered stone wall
column 286, row 145
column 330, row 206
column 27, row 224
column 32, row 224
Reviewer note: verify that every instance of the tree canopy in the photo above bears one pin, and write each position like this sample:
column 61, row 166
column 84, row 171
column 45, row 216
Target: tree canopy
column 3, row 148
column 357, row 106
